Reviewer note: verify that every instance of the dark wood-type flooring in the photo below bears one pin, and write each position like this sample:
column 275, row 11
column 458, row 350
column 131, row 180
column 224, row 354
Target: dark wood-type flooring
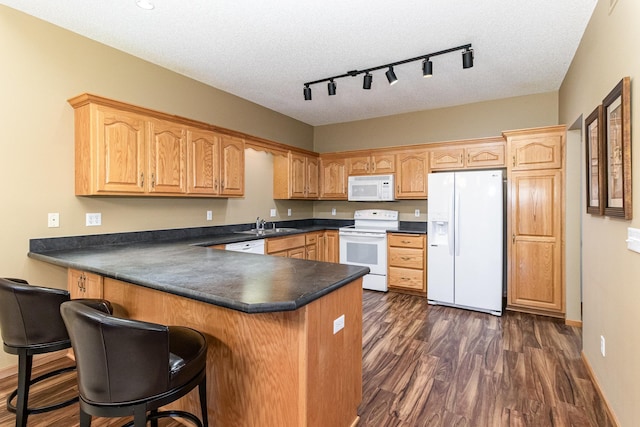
column 435, row 366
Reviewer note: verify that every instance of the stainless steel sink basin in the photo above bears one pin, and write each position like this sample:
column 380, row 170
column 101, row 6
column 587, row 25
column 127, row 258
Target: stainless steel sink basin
column 267, row 231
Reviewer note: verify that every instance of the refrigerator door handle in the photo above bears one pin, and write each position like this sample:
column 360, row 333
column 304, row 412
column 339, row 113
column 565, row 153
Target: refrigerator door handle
column 456, row 228
column 450, row 230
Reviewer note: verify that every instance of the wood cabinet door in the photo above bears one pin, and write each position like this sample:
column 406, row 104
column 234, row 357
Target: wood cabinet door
column 535, row 149
column 383, row 163
column 312, row 176
column 298, row 180
column 333, row 179
column 167, row 152
column 81, row 284
column 358, row 165
column 535, row 253
column 121, row 152
column 231, row 166
column 484, row 156
column 332, row 246
column 446, row 158
column 203, row 162
column 411, row 175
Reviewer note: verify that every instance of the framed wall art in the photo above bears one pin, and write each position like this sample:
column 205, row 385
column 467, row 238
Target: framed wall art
column 594, row 150
column 617, row 149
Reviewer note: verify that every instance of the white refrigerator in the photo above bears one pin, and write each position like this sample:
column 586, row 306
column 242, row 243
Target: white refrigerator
column 465, row 258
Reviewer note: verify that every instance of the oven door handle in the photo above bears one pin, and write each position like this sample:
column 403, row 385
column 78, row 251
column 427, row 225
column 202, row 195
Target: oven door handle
column 360, row 235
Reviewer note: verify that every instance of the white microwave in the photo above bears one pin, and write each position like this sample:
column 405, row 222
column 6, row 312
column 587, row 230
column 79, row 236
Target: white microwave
column 371, row 188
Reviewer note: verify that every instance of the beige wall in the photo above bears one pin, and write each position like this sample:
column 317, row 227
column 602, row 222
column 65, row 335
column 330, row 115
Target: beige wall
column 43, row 66
column 611, row 273
column 477, row 120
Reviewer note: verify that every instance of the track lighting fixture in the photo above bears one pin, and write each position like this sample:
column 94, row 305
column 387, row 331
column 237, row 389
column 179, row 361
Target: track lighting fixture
column 307, row 93
column 366, row 82
column 427, row 70
column 467, row 58
column 331, row 87
column 391, row 76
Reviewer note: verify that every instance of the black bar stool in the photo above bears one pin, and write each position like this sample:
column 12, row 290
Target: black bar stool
column 129, row 367
column 31, row 324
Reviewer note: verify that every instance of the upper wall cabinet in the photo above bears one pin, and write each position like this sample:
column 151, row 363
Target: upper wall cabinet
column 371, row 163
column 333, row 178
column 295, row 176
column 126, row 150
column 411, row 175
column 474, row 156
column 536, row 149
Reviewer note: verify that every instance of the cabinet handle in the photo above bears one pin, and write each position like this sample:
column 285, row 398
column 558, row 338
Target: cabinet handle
column 460, row 157
column 405, row 258
column 215, row 184
column 222, row 185
column 142, row 179
column 406, row 241
column 514, row 160
column 153, row 180
column 513, row 238
column 366, row 167
column 468, row 157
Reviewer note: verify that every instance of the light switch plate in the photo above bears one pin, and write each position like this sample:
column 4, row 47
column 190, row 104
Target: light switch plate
column 209, row 215
column 273, row 213
column 633, row 239
column 288, row 212
column 333, row 211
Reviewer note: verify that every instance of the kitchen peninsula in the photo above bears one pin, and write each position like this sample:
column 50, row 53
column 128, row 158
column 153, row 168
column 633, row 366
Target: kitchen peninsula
column 284, row 335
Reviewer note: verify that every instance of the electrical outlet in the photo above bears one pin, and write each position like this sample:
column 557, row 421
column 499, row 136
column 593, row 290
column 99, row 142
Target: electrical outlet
column 273, row 213
column 338, row 324
column 288, row 212
column 602, row 346
column 93, row 219
column 417, row 213
column 333, row 211
column 53, row 220
column 209, row 215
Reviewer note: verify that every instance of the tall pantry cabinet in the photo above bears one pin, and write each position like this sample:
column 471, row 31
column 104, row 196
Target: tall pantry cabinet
column 536, row 220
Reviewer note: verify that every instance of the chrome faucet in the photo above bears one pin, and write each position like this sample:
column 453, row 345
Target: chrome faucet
column 260, row 224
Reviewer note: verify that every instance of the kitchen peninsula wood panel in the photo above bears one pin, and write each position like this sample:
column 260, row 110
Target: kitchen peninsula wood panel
column 266, row 369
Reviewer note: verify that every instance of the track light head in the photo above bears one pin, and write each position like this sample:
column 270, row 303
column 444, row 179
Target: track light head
column 366, row 82
column 307, row 93
column 331, row 86
column 391, row 76
column 427, row 68
column 467, row 58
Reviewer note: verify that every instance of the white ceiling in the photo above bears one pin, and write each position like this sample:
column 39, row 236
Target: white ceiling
column 264, row 51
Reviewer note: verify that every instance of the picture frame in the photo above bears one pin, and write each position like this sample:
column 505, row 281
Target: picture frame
column 617, row 151
column 594, row 156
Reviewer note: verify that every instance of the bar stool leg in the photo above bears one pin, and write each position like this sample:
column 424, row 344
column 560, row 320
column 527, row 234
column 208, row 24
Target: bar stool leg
column 25, row 363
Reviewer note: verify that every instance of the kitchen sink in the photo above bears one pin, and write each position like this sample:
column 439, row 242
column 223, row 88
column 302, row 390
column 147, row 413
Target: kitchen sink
column 268, row 231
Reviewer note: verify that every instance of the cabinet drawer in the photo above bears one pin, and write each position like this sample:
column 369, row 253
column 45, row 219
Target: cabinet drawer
column 406, row 278
column 406, row 240
column 283, row 243
column 311, row 238
column 404, row 257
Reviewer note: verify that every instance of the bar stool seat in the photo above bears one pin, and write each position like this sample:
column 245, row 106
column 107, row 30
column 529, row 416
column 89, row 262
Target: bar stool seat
column 130, row 367
column 31, row 324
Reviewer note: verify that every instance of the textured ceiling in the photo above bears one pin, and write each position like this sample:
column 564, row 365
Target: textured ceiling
column 264, row 51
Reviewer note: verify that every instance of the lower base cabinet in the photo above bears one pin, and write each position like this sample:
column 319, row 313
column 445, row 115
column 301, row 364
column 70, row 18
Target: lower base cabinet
column 407, row 263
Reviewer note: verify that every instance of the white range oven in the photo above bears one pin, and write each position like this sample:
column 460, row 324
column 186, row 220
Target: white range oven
column 365, row 244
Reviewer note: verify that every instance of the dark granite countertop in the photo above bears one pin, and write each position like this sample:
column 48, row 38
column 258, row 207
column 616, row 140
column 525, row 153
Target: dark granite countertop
column 246, row 282
column 179, row 262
